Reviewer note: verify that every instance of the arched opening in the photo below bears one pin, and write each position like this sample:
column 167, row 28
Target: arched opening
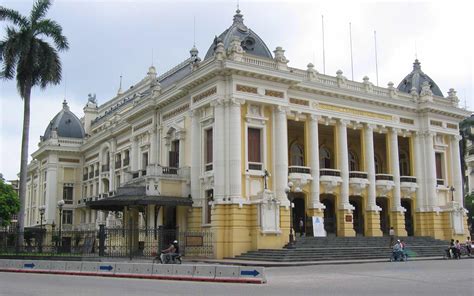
column 353, row 161
column 378, row 164
column 296, row 154
column 324, row 158
column 298, row 212
column 382, row 202
column 406, row 203
column 329, row 201
column 357, row 214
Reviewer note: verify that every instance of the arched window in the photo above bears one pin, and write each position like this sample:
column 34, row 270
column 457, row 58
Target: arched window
column 296, row 154
column 353, row 161
column 378, row 164
column 404, row 163
column 324, row 158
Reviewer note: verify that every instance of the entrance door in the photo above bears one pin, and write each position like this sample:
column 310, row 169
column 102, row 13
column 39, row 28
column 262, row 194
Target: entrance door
column 357, row 215
column 406, row 203
column 169, row 217
column 329, row 215
column 382, row 202
column 299, row 213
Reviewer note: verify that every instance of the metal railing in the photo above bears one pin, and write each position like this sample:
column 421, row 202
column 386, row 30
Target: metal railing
column 440, row 182
column 383, row 177
column 105, row 242
column 329, row 172
column 357, row 174
column 105, row 168
column 408, row 179
column 299, row 170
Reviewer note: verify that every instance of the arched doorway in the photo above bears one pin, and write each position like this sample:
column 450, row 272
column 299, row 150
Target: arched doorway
column 298, row 211
column 406, row 203
column 382, row 202
column 357, row 214
column 329, row 214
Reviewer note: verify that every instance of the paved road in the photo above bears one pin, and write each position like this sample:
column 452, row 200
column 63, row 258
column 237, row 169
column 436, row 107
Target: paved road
column 398, row 278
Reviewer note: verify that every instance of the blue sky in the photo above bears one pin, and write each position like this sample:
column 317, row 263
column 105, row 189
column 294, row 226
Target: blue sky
column 113, row 38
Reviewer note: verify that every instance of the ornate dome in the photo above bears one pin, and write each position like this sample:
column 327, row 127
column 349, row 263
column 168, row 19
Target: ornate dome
column 250, row 41
column 416, row 79
column 66, row 124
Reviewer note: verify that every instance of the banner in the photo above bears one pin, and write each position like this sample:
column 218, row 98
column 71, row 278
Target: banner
column 318, row 227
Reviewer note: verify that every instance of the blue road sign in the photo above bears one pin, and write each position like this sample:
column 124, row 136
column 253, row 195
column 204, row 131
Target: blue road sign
column 249, row 272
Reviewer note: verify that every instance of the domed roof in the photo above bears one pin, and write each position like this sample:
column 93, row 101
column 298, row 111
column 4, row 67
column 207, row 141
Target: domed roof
column 251, row 42
column 416, row 79
column 66, row 124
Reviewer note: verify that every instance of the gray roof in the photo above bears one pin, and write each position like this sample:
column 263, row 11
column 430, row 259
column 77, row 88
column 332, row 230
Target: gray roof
column 251, row 42
column 416, row 79
column 66, row 125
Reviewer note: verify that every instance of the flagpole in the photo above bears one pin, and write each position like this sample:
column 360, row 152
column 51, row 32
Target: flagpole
column 352, row 61
column 376, row 63
column 324, row 52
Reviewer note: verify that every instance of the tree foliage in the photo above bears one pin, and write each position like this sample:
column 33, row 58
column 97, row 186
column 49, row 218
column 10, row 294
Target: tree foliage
column 9, row 203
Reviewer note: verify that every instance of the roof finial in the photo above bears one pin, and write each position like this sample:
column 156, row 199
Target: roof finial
column 238, row 17
column 65, row 106
column 238, row 7
column 120, row 86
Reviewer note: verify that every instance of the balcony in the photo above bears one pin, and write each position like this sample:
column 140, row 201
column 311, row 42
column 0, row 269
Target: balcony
column 118, row 164
column 255, row 166
column 299, row 175
column 384, row 183
column 408, row 186
column 84, row 177
column 208, row 167
column 143, row 172
column 329, row 179
column 105, row 168
column 91, row 175
column 97, row 172
column 440, row 182
column 358, row 181
column 169, row 171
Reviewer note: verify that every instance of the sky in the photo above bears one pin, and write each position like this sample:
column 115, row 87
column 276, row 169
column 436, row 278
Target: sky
column 110, row 38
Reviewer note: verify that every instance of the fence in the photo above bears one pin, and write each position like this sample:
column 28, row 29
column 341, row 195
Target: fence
column 105, row 242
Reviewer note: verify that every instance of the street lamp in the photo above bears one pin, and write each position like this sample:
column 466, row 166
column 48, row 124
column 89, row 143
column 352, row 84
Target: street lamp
column 452, row 189
column 60, row 207
column 290, row 198
column 41, row 209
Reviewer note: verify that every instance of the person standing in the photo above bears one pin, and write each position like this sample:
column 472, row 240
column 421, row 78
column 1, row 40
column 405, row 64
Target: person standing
column 468, row 246
column 391, row 233
column 301, row 227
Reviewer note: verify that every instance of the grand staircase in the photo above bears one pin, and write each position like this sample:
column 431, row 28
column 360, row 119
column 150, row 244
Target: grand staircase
column 345, row 248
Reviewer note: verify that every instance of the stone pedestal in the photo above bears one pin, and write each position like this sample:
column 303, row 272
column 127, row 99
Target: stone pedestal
column 397, row 221
column 372, row 224
column 345, row 226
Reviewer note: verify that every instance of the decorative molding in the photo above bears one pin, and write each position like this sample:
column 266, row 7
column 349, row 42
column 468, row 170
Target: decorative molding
column 274, row 93
column 92, row 157
column 69, row 160
column 407, row 121
column 205, row 94
column 246, row 88
column 354, row 111
column 143, row 124
column 299, row 102
column 436, row 123
column 176, row 111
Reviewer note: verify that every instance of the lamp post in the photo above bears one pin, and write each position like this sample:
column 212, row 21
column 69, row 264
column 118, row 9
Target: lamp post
column 60, row 207
column 41, row 209
column 452, row 189
column 290, row 198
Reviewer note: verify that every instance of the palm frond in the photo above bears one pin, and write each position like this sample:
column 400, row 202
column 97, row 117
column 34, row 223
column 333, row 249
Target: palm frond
column 39, row 10
column 9, row 53
column 14, row 16
column 53, row 30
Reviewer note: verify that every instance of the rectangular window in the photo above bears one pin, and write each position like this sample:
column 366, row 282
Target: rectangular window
column 209, row 151
column 254, row 149
column 174, row 154
column 144, row 160
column 68, row 194
column 439, row 161
column 67, row 217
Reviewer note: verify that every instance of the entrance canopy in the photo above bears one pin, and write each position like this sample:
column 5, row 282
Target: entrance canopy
column 136, row 196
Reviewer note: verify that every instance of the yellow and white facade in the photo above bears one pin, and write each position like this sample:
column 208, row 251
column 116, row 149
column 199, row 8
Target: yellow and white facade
column 231, row 131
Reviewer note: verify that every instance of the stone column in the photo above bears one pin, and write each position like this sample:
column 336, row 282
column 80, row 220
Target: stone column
column 195, row 154
column 113, row 149
column 345, row 226
column 314, row 163
column 218, row 150
column 281, row 154
column 456, row 165
column 397, row 216
column 420, row 199
column 181, row 156
column 235, row 150
column 372, row 210
column 134, row 155
column 153, row 146
column 431, row 171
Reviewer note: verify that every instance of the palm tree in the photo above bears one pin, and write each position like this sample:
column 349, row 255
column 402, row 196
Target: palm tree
column 26, row 52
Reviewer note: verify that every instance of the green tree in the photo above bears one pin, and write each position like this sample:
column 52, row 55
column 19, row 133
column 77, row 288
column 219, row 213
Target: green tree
column 9, row 203
column 27, row 53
